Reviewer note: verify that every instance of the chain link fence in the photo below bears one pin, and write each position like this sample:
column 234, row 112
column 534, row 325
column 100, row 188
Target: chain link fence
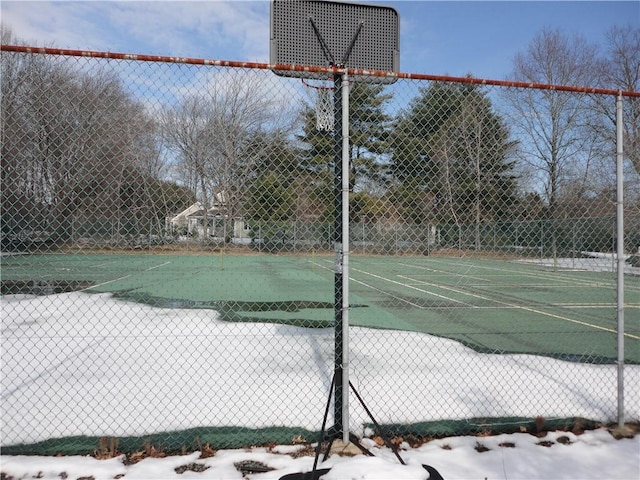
column 168, row 229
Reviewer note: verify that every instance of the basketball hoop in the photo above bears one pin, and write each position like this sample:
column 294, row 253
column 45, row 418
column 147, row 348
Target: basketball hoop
column 322, row 97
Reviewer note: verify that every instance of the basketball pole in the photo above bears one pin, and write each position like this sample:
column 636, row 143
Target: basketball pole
column 341, row 251
column 294, row 33
column 341, row 231
column 345, row 257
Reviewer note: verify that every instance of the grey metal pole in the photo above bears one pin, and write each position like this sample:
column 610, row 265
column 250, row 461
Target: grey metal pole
column 345, row 257
column 341, row 252
column 339, row 387
column 620, row 256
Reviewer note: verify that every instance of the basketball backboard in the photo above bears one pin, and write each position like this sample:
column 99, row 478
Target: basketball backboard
column 325, row 33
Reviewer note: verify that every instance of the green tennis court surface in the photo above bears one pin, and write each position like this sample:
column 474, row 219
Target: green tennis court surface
column 493, row 306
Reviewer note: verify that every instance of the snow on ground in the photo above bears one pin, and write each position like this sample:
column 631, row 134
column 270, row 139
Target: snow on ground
column 592, row 455
column 591, row 261
column 167, row 354
column 101, row 371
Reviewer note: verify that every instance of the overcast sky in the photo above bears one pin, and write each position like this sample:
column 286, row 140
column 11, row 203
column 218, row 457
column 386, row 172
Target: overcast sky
column 436, row 37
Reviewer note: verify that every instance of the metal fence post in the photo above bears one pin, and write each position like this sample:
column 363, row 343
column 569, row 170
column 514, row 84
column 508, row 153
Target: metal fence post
column 620, row 255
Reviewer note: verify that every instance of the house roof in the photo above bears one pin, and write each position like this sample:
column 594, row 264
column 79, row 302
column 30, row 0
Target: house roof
column 182, row 216
column 194, row 211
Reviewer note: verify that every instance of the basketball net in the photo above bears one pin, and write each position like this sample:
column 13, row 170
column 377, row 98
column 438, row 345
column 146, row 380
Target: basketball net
column 322, row 97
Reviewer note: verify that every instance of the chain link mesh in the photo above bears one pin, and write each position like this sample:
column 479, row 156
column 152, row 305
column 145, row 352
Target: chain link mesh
column 167, row 256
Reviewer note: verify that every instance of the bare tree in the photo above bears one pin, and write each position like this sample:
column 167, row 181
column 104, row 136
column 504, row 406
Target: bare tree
column 552, row 126
column 620, row 69
column 185, row 130
column 220, row 135
column 74, row 144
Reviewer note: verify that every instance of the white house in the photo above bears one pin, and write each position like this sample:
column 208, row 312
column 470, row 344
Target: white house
column 192, row 220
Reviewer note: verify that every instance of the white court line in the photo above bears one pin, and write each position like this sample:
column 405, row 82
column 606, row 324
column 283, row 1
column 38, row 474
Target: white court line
column 568, row 282
column 592, row 305
column 421, row 290
column 534, row 310
column 506, row 304
column 555, row 277
column 521, row 273
column 157, row 266
column 104, row 283
column 121, row 278
column 503, row 305
column 527, row 285
column 404, row 300
column 105, row 264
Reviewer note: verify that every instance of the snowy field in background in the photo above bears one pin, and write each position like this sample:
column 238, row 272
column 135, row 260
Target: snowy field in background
column 592, row 262
column 166, row 356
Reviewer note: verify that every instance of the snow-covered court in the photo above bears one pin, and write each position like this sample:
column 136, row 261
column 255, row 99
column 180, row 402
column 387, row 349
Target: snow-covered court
column 173, row 369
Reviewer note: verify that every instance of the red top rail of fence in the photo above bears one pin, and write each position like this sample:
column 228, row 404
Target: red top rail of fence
column 301, row 68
